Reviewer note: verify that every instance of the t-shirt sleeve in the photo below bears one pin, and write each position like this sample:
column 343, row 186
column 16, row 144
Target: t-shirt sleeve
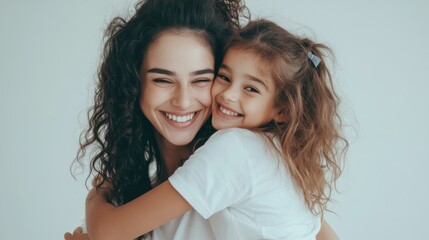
column 217, row 175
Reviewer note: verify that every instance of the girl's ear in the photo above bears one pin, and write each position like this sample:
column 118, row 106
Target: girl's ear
column 281, row 116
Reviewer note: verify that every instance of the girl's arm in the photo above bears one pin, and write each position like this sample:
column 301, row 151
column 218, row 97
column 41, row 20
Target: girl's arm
column 76, row 235
column 326, row 232
column 198, row 180
column 143, row 214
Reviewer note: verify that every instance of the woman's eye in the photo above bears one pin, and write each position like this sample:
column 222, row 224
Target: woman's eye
column 251, row 89
column 223, row 77
column 202, row 82
column 162, row 81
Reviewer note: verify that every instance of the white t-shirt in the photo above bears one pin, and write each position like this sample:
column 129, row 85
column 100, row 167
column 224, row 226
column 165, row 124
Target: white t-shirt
column 190, row 226
column 240, row 184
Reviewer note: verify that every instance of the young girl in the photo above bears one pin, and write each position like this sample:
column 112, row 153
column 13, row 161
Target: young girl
column 272, row 181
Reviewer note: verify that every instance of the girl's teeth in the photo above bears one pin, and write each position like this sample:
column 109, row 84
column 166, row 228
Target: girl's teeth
column 180, row 119
column 227, row 112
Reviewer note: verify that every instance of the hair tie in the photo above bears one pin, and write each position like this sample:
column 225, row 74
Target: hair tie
column 313, row 58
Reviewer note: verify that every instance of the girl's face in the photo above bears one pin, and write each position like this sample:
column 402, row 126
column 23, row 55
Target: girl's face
column 243, row 92
column 177, row 74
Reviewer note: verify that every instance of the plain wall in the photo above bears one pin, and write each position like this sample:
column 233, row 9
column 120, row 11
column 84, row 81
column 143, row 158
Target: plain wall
column 49, row 53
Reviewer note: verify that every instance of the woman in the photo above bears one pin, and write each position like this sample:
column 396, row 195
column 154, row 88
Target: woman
column 152, row 101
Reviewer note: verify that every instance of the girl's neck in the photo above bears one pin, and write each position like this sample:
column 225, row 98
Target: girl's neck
column 172, row 155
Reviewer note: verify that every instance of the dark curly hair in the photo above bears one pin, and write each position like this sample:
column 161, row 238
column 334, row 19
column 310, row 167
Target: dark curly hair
column 121, row 136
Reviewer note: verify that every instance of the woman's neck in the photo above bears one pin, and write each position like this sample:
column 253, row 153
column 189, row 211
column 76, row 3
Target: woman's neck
column 172, row 155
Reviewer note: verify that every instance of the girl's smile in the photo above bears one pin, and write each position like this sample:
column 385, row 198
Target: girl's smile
column 227, row 112
column 243, row 92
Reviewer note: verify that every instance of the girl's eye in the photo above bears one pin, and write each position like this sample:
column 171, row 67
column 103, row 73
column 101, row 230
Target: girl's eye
column 252, row 89
column 223, row 77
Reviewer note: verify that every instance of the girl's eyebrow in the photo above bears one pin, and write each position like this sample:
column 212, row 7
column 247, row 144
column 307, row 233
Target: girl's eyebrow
column 225, row 67
column 172, row 73
column 253, row 78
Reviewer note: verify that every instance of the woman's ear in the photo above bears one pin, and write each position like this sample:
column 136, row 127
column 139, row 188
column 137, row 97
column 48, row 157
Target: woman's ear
column 281, row 115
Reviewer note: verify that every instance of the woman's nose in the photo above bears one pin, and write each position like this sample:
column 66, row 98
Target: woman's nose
column 182, row 98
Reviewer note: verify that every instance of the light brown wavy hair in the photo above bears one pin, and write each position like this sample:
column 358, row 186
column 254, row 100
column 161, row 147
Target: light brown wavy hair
column 311, row 140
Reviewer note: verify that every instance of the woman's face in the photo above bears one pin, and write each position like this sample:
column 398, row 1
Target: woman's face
column 177, row 74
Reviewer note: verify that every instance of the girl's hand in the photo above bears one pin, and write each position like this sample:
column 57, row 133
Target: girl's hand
column 76, row 235
column 98, row 211
column 326, row 232
column 104, row 189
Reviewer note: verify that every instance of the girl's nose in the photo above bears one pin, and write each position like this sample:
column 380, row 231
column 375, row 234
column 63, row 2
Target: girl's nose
column 231, row 94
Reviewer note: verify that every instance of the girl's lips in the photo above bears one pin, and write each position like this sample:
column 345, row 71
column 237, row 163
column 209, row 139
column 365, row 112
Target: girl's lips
column 227, row 112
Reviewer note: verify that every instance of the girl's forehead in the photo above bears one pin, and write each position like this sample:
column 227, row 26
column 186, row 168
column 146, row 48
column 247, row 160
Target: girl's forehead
column 246, row 64
column 252, row 53
column 242, row 56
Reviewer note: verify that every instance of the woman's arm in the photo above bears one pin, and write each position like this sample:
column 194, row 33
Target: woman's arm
column 326, row 232
column 143, row 214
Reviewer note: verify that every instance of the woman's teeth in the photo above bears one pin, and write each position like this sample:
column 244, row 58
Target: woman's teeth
column 180, row 119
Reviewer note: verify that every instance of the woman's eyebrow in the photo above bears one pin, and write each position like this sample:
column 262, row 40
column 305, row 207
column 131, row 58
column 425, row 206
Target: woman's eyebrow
column 161, row 71
column 203, row 71
column 172, row 73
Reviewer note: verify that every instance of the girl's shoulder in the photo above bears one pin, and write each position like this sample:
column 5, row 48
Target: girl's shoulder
column 236, row 133
column 235, row 137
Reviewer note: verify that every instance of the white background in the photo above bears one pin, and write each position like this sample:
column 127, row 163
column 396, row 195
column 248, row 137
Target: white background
column 49, row 52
